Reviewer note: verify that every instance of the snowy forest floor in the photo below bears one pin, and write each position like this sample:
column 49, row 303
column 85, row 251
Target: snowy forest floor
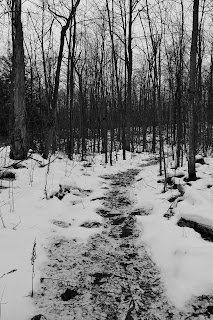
column 108, row 276
column 111, row 277
column 106, row 246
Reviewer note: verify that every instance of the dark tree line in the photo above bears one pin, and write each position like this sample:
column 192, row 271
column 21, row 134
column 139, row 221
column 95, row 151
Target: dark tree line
column 100, row 87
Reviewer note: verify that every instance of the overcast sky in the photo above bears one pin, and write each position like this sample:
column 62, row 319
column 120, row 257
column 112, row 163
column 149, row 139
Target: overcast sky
column 89, row 11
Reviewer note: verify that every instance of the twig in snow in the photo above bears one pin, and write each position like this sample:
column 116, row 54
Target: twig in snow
column 132, row 303
column 33, row 258
column 13, row 164
column 131, row 308
column 169, row 212
column 148, row 185
column 2, row 220
column 49, row 162
column 40, row 162
column 11, row 271
column 46, row 177
column 14, row 228
column 11, row 196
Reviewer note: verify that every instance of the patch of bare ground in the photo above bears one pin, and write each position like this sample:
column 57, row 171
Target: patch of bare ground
column 110, row 277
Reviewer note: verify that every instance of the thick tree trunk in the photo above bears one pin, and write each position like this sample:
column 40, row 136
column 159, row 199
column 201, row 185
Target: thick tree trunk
column 18, row 144
column 192, row 94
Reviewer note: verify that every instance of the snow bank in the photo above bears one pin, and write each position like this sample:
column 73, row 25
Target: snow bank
column 184, row 258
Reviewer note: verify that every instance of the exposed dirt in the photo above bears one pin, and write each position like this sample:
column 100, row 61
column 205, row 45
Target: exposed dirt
column 63, row 190
column 61, row 224
column 91, row 224
column 110, row 277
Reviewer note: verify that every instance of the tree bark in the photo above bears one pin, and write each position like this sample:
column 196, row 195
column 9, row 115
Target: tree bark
column 129, row 80
column 192, row 95
column 18, row 143
column 179, row 77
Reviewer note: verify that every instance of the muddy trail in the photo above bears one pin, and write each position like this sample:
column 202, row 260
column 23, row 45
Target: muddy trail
column 111, row 277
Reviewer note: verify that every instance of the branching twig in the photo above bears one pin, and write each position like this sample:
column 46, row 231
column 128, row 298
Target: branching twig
column 131, row 308
column 14, row 228
column 132, row 303
column 148, row 185
column 42, row 164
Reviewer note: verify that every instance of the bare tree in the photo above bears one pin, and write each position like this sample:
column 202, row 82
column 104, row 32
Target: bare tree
column 179, row 76
column 52, row 118
column 70, row 85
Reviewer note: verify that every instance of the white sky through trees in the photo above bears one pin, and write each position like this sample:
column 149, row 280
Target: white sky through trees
column 165, row 17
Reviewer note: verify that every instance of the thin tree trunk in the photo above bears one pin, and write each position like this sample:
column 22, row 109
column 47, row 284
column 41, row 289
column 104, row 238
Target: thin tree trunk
column 192, row 94
column 129, row 80
column 179, row 77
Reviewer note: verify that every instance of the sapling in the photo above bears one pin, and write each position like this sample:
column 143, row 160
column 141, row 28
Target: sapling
column 2, row 220
column 17, row 224
column 74, row 164
column 33, row 258
column 11, row 196
column 31, row 171
column 46, row 177
column 93, row 162
column 1, row 302
column 66, row 164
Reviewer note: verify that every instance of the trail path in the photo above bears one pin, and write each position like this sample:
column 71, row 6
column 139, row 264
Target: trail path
column 111, row 277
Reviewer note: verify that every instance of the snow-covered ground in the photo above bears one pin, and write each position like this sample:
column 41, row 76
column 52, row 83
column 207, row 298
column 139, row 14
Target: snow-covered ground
column 184, row 258
column 29, row 219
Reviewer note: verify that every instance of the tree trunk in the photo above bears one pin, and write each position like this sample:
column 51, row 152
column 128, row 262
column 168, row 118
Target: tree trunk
column 129, row 81
column 179, row 77
column 52, row 119
column 210, row 103
column 193, row 53
column 18, row 144
column 70, row 88
column 121, row 117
